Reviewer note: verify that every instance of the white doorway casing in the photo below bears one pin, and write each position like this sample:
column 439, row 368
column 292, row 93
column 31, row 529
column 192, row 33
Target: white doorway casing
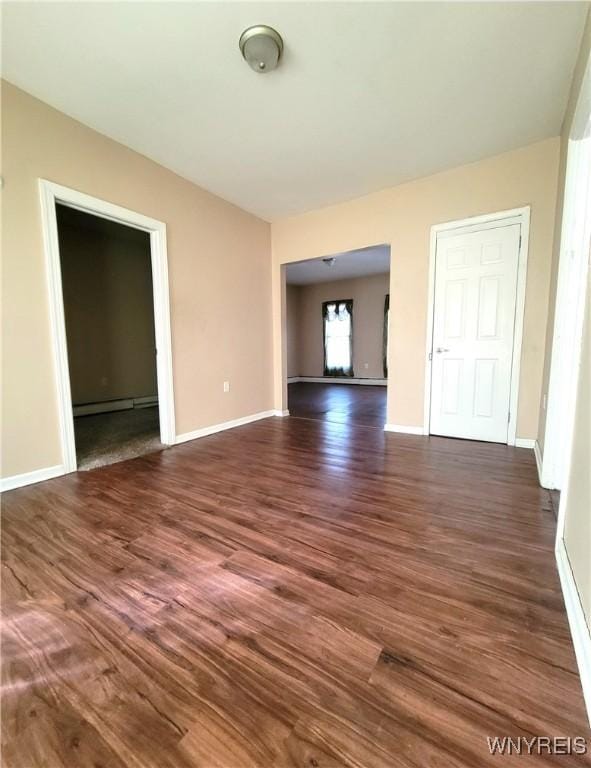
column 51, row 194
column 364, row 261
column 572, row 284
column 512, row 226
column 570, row 298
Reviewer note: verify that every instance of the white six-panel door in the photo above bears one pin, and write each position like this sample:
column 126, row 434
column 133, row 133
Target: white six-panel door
column 473, row 327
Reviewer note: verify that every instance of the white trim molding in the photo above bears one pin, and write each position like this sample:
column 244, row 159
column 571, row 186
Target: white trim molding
column 533, row 445
column 211, row 430
column 281, row 413
column 525, row 442
column 404, row 429
column 571, row 286
column 576, row 618
column 109, row 406
column 28, row 478
column 501, row 218
column 50, row 194
column 566, row 361
column 337, row 380
column 538, row 455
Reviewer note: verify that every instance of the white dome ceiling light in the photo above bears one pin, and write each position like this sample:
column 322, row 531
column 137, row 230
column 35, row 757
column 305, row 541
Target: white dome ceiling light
column 261, row 46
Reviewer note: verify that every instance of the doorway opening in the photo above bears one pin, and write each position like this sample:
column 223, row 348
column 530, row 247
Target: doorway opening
column 337, row 313
column 108, row 297
column 477, row 279
column 109, row 314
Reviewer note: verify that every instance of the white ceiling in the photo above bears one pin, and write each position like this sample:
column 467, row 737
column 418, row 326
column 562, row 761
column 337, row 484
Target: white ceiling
column 359, row 263
column 367, row 95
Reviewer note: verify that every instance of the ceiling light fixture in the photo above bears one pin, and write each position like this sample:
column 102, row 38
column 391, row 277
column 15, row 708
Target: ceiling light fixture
column 329, row 261
column 261, row 46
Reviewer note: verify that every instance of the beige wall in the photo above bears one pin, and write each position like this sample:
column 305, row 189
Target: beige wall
column 219, row 270
column 292, row 302
column 402, row 217
column 109, row 310
column 368, row 294
column 566, row 128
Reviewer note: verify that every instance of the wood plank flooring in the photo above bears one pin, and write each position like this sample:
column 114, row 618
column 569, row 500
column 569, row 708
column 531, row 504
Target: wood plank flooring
column 341, row 403
column 288, row 593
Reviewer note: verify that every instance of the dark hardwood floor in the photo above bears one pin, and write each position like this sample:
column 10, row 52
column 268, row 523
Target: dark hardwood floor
column 288, row 593
column 555, row 501
column 341, row 403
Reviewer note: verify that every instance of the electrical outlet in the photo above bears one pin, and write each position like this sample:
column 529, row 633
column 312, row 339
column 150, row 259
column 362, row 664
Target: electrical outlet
column 226, row 386
column 366, row 366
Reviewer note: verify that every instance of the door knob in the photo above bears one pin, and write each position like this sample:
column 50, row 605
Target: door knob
column 439, row 350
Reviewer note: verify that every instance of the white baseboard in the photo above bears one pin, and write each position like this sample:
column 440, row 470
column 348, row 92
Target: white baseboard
column 532, row 444
column 281, row 413
column 145, row 402
column 404, row 429
column 525, row 442
column 109, row 407
column 114, row 405
column 538, row 455
column 28, row 478
column 576, row 618
column 337, row 380
column 197, row 433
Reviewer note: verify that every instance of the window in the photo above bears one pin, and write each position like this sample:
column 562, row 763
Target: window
column 337, row 317
column 385, row 337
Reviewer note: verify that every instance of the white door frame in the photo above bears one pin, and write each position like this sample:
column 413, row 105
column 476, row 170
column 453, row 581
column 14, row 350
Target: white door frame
column 575, row 255
column 563, row 380
column 51, row 194
column 473, row 224
column 281, row 395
